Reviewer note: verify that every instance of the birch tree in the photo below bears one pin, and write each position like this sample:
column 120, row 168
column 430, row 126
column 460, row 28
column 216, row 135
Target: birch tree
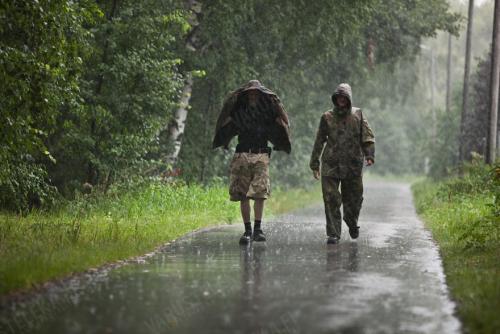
column 177, row 124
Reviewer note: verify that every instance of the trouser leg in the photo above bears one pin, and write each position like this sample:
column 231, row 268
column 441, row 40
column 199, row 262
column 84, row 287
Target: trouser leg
column 352, row 199
column 332, row 200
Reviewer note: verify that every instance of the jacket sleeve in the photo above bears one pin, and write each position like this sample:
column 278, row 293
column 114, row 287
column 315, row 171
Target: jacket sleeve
column 280, row 134
column 225, row 128
column 368, row 140
column 280, row 112
column 321, row 137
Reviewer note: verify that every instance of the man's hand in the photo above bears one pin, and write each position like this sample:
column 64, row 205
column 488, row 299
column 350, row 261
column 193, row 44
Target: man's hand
column 369, row 162
column 316, row 174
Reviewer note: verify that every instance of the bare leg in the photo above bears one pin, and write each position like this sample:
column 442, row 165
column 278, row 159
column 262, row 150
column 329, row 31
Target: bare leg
column 258, row 208
column 245, row 210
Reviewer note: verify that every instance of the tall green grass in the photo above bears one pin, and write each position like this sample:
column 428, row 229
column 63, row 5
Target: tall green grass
column 91, row 231
column 463, row 214
column 285, row 200
column 94, row 230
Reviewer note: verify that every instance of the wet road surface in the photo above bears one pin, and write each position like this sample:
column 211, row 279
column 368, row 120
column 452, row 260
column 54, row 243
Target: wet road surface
column 390, row 280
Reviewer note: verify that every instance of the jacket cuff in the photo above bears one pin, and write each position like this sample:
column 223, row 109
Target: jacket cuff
column 314, row 166
column 369, row 151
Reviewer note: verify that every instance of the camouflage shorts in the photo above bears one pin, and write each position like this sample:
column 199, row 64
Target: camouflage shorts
column 249, row 176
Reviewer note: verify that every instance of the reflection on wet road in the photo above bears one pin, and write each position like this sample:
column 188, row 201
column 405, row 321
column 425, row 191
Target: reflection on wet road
column 389, row 280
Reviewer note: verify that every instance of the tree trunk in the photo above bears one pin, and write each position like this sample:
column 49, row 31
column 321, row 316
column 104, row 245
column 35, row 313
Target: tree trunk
column 205, row 133
column 495, row 72
column 177, row 124
column 465, row 96
column 448, row 76
column 433, row 99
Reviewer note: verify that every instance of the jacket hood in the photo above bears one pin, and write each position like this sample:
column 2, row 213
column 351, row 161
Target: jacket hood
column 342, row 90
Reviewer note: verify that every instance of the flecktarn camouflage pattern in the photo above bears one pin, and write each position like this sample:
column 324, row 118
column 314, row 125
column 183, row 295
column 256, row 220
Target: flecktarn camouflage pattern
column 344, row 140
column 348, row 137
column 350, row 195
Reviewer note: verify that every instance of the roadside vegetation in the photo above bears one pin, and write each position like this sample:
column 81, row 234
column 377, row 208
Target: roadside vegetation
column 463, row 214
column 97, row 94
column 283, row 200
column 91, row 97
column 97, row 229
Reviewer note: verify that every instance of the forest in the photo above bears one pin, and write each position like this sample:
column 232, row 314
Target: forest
column 99, row 93
column 108, row 110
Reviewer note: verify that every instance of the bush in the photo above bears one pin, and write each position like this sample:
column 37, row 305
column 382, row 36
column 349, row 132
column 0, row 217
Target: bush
column 466, row 208
column 25, row 185
column 463, row 215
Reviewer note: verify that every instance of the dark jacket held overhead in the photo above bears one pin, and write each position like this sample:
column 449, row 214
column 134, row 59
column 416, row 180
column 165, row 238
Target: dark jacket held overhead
column 236, row 118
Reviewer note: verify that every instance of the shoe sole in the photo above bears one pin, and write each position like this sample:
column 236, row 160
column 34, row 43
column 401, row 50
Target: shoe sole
column 354, row 236
column 245, row 242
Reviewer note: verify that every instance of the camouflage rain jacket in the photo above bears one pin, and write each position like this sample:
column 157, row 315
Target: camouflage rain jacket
column 348, row 137
column 233, row 118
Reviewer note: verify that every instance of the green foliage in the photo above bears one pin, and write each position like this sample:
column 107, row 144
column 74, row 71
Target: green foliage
column 129, row 87
column 302, row 51
column 41, row 44
column 96, row 229
column 285, row 200
column 477, row 119
column 463, row 215
column 99, row 228
column 443, row 152
column 466, row 207
column 91, row 85
column 23, row 185
column 87, row 87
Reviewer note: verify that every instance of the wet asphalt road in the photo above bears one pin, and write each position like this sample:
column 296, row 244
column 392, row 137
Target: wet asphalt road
column 390, row 280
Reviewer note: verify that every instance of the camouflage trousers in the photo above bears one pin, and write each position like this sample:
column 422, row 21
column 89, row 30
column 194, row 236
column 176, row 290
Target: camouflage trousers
column 350, row 197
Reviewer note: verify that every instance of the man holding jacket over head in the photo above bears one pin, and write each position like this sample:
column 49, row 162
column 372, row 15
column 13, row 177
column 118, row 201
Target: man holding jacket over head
column 349, row 141
column 256, row 115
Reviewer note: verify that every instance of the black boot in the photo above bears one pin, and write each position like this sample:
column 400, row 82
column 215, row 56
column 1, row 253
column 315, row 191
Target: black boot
column 258, row 235
column 245, row 238
column 332, row 240
column 354, row 232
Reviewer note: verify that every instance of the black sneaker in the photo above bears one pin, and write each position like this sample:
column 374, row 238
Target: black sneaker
column 354, row 232
column 333, row 239
column 258, row 235
column 245, row 238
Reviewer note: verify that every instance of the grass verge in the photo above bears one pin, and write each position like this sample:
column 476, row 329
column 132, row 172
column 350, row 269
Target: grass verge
column 463, row 215
column 95, row 230
column 283, row 200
